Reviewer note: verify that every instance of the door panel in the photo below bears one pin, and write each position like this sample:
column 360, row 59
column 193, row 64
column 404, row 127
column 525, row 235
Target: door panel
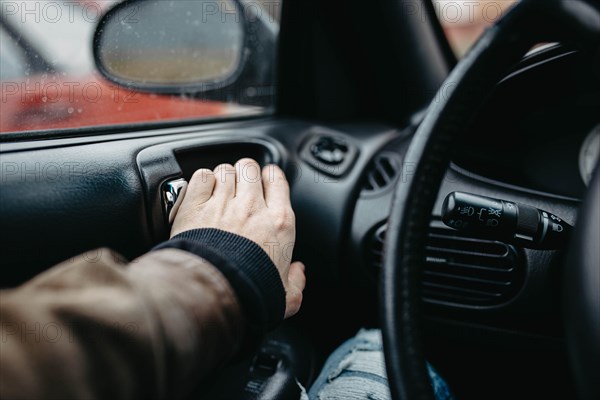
column 66, row 196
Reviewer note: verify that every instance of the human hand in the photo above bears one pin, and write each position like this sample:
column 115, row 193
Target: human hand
column 249, row 202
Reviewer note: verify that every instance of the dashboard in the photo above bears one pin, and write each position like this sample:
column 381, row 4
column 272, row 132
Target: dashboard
column 531, row 142
column 539, row 130
column 535, row 141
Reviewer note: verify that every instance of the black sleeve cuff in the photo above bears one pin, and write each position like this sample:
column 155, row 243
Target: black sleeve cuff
column 248, row 269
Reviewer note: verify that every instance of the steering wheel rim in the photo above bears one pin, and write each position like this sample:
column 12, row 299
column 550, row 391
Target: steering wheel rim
column 503, row 45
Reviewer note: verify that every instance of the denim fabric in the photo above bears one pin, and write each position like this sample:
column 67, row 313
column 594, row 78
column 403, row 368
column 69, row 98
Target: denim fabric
column 356, row 370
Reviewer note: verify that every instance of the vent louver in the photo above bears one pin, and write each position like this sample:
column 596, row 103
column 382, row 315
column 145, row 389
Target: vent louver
column 462, row 270
column 381, row 173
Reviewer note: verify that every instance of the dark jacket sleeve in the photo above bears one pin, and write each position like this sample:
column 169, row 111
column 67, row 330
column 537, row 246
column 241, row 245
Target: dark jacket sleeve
column 248, row 269
column 97, row 328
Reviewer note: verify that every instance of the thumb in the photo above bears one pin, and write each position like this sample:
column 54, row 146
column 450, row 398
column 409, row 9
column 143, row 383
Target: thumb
column 294, row 287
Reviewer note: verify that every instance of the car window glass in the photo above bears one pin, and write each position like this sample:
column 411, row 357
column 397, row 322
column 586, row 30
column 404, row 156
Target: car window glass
column 50, row 81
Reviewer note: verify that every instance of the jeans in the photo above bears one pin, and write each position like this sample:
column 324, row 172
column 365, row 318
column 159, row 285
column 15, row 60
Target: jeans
column 356, row 370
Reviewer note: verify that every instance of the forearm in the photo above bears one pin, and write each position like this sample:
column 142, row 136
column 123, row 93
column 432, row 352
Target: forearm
column 103, row 329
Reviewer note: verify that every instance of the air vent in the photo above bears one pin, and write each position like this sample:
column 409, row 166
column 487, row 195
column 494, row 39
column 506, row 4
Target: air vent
column 381, row 173
column 462, row 270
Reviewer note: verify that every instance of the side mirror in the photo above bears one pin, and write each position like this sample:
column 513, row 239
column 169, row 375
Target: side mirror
column 217, row 50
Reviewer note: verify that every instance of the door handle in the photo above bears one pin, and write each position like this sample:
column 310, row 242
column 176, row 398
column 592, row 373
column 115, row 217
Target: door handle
column 173, row 193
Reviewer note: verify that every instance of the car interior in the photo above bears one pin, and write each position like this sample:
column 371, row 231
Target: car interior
column 381, row 130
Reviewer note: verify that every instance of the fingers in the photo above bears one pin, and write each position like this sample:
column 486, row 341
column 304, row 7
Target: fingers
column 295, row 287
column 276, row 188
column 225, row 178
column 249, row 179
column 201, row 186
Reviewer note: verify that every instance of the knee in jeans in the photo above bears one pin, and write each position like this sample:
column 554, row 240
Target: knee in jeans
column 360, row 375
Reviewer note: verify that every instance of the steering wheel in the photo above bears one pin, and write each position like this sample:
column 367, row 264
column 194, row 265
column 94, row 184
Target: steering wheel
column 503, row 45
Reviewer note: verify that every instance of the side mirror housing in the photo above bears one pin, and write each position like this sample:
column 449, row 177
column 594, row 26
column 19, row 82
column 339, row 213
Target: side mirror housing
column 217, row 50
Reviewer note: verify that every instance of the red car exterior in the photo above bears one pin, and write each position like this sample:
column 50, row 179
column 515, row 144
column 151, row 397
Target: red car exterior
column 50, row 102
